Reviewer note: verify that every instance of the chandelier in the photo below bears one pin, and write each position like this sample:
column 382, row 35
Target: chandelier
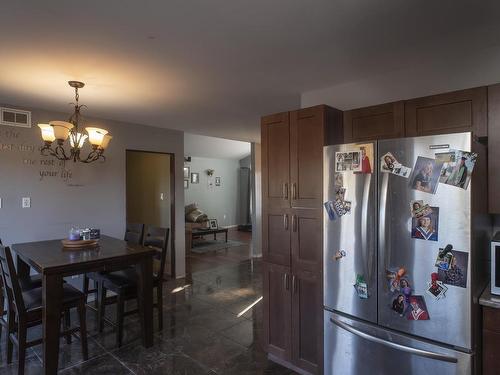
column 59, row 131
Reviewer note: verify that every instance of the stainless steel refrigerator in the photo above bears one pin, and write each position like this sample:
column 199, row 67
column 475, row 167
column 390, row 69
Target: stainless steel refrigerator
column 367, row 245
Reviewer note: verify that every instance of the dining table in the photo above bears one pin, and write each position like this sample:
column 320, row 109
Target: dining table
column 55, row 262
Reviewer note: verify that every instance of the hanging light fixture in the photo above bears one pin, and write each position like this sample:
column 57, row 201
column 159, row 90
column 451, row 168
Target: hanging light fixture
column 60, row 131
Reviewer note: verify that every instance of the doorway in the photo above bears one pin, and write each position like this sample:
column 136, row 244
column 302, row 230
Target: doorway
column 150, row 194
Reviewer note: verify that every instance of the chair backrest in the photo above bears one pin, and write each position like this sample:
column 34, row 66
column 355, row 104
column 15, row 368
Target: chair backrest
column 10, row 281
column 134, row 233
column 157, row 238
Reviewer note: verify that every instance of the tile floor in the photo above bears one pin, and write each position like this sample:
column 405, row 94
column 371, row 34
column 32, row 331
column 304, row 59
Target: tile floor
column 202, row 333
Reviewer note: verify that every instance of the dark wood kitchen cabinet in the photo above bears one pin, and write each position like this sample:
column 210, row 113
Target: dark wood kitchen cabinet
column 491, row 340
column 292, row 233
column 494, row 149
column 452, row 112
column 376, row 122
column 277, row 311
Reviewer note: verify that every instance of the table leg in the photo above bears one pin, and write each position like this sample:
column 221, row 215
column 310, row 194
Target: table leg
column 145, row 300
column 23, row 269
column 51, row 297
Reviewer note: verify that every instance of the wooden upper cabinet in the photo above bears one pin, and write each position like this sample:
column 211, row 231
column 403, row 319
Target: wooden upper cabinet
column 453, row 112
column 275, row 131
column 493, row 149
column 277, row 310
column 307, row 138
column 376, row 122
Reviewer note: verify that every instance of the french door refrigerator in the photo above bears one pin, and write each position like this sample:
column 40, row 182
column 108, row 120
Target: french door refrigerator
column 376, row 323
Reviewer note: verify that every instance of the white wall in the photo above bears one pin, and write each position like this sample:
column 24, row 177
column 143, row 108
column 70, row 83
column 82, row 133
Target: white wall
column 94, row 196
column 218, row 202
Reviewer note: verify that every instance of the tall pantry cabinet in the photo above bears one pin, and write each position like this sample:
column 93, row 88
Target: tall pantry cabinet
column 292, row 193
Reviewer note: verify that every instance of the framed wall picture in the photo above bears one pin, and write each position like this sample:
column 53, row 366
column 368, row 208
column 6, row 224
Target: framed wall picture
column 186, row 172
column 195, row 178
column 213, row 224
column 217, row 181
column 186, row 184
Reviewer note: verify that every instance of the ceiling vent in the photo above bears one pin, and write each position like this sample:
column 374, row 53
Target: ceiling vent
column 15, row 117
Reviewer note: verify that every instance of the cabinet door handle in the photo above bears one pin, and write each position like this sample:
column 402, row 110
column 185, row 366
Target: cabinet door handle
column 285, row 191
column 295, row 223
column 294, row 285
column 285, row 281
column 285, row 221
column 294, row 191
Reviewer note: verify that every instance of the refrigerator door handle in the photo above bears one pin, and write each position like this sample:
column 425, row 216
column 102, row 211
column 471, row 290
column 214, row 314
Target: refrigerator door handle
column 382, row 217
column 364, row 224
column 285, row 191
column 285, row 221
column 285, row 281
column 390, row 344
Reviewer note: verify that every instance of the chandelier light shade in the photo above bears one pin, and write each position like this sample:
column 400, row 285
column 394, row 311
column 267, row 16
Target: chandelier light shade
column 55, row 133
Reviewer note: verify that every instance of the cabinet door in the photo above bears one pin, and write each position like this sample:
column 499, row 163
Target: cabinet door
column 276, row 241
column 493, row 149
column 376, row 122
column 307, row 137
column 307, row 321
column 454, row 112
column 307, row 239
column 277, row 310
column 275, row 131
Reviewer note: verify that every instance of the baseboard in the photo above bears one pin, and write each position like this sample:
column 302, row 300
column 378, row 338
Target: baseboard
column 287, row 364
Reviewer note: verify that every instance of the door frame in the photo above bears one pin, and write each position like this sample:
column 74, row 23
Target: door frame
column 172, row 202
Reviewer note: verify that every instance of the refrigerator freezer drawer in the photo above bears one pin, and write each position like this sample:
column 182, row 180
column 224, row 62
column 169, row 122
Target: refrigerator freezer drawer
column 353, row 347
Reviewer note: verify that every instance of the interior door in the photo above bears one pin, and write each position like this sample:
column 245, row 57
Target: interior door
column 276, row 235
column 277, row 310
column 307, row 239
column 306, row 156
column 450, row 317
column 352, row 236
column 276, row 160
column 307, row 321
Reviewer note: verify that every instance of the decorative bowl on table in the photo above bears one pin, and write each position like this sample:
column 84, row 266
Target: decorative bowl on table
column 79, row 244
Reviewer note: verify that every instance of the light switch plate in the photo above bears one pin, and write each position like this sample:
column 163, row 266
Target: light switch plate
column 26, row 202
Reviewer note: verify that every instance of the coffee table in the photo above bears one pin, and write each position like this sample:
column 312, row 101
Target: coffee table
column 203, row 231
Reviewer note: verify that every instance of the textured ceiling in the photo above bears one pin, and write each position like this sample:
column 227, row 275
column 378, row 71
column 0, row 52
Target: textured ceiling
column 214, row 67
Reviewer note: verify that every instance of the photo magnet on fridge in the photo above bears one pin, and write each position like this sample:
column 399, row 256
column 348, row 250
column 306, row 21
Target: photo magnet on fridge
column 339, row 180
column 348, row 161
column 418, row 308
column 366, row 157
column 457, row 273
column 426, row 227
column 399, row 305
column 389, row 164
column 419, row 209
column 444, row 259
column 361, row 287
column 457, row 167
column 329, row 210
column 435, row 288
column 425, row 176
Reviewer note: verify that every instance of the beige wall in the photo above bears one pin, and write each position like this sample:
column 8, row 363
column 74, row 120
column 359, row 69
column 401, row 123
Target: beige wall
column 148, row 177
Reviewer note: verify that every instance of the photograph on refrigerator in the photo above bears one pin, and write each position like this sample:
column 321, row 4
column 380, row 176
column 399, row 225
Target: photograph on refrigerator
column 348, row 161
column 389, row 164
column 457, row 273
column 366, row 157
column 426, row 227
column 435, row 288
column 419, row 209
column 425, row 176
column 418, row 308
column 457, row 169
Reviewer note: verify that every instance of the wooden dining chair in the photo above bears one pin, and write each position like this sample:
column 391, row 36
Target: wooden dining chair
column 134, row 233
column 124, row 283
column 25, row 307
column 29, row 282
